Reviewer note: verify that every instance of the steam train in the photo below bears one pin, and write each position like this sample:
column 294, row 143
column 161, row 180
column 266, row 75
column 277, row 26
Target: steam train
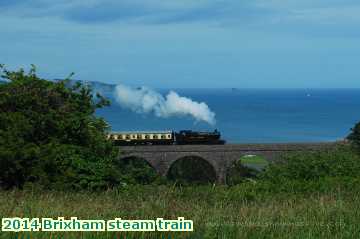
column 166, row 137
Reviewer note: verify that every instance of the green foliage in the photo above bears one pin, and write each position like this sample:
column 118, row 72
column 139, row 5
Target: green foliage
column 239, row 173
column 354, row 136
column 50, row 136
column 138, row 171
column 340, row 161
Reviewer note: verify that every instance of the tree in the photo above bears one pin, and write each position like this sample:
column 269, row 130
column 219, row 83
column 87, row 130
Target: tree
column 50, row 136
column 354, row 136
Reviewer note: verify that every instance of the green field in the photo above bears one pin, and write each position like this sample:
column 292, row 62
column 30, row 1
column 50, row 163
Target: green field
column 248, row 210
column 254, row 159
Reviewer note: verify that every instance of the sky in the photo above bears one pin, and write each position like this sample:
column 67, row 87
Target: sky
column 186, row 43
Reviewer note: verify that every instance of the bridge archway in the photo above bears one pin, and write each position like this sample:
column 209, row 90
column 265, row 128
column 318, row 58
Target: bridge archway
column 254, row 160
column 192, row 169
column 140, row 169
column 244, row 167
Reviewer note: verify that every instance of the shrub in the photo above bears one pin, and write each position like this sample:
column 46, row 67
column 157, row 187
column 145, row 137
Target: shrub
column 239, row 173
column 338, row 162
column 50, row 136
column 354, row 137
column 138, row 171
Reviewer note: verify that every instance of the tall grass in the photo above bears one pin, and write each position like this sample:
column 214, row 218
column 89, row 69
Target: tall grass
column 249, row 210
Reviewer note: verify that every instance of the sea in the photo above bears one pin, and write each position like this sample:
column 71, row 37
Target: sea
column 256, row 115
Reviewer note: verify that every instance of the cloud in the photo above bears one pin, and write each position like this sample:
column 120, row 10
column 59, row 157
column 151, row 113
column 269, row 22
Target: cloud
column 221, row 12
column 329, row 15
column 10, row 3
column 146, row 12
column 96, row 11
column 144, row 100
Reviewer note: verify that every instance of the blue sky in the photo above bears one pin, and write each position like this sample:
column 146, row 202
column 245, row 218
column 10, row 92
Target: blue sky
column 187, row 43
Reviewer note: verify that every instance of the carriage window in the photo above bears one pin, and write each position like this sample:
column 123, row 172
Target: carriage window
column 163, row 136
column 138, row 136
column 127, row 136
column 147, row 136
column 155, row 136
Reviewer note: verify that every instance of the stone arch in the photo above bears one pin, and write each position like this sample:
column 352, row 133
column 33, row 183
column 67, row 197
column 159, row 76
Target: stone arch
column 256, row 159
column 266, row 155
column 143, row 159
column 244, row 166
column 194, row 174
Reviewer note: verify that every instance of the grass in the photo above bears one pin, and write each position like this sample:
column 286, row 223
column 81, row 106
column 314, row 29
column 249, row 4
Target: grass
column 248, row 210
column 254, row 159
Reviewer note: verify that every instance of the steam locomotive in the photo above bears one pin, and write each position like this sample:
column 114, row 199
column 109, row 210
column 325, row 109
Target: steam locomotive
column 182, row 137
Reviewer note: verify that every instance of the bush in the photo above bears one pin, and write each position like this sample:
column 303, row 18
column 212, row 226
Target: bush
column 305, row 166
column 239, row 173
column 50, row 136
column 354, row 137
column 138, row 171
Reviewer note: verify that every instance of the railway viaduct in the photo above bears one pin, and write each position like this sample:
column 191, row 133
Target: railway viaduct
column 220, row 157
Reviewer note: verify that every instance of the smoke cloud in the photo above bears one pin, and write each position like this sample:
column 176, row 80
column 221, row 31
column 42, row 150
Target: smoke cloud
column 144, row 100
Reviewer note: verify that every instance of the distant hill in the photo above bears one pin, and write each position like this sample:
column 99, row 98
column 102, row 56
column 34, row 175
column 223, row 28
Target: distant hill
column 100, row 87
column 104, row 89
column 2, row 81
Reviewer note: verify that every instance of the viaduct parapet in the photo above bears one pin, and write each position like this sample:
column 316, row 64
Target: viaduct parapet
column 220, row 157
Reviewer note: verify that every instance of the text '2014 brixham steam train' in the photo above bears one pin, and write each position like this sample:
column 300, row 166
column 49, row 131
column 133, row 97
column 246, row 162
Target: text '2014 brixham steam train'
column 166, row 137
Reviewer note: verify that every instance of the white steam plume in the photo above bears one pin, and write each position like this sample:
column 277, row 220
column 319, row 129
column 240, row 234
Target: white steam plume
column 145, row 100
